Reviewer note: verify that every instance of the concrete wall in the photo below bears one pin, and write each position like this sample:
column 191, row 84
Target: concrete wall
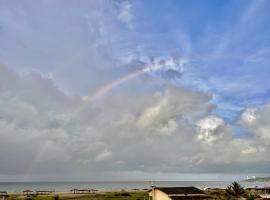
column 158, row 195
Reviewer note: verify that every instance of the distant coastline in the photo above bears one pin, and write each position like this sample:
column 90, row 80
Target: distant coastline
column 258, row 179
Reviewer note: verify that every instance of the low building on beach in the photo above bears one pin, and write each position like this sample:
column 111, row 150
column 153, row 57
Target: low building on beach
column 44, row 192
column 176, row 193
column 3, row 195
column 83, row 191
column 28, row 192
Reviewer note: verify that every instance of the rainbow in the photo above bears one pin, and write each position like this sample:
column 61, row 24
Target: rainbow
column 163, row 64
column 111, row 85
column 151, row 67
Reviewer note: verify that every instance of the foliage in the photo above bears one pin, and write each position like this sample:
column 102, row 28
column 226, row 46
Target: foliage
column 235, row 190
column 251, row 196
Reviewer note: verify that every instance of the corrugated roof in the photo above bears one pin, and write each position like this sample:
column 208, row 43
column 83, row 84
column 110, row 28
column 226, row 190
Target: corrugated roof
column 180, row 190
column 191, row 197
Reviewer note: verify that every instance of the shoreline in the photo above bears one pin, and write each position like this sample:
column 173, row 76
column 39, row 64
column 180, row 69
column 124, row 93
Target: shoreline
column 102, row 187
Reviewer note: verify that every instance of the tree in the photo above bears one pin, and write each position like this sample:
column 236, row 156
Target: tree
column 251, row 196
column 235, row 190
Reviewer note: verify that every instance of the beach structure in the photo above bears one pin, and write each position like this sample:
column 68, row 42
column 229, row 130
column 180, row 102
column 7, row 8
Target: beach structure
column 28, row 192
column 259, row 190
column 44, row 192
column 94, row 191
column 3, row 195
column 83, row 191
column 176, row 193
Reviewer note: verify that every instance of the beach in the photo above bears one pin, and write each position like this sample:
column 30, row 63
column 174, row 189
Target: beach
column 115, row 186
column 124, row 190
column 138, row 195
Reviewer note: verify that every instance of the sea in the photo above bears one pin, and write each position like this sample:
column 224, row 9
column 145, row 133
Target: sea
column 17, row 187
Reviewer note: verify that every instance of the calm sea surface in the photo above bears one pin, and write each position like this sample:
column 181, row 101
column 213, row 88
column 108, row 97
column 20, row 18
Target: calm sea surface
column 109, row 186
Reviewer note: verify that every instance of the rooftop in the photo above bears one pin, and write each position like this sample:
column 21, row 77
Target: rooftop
column 180, row 190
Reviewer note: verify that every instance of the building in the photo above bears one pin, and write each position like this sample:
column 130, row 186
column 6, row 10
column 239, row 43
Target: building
column 28, row 192
column 264, row 196
column 83, row 191
column 3, row 195
column 259, row 190
column 44, row 192
column 176, row 193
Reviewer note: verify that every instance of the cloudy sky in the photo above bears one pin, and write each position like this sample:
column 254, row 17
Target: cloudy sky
column 134, row 90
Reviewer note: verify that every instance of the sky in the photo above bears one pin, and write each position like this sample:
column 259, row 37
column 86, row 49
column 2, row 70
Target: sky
column 134, row 90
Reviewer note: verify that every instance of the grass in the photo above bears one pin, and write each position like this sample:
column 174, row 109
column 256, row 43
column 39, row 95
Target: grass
column 101, row 196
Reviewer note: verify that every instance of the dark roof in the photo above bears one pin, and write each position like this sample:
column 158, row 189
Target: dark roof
column 259, row 188
column 3, row 192
column 191, row 197
column 180, row 190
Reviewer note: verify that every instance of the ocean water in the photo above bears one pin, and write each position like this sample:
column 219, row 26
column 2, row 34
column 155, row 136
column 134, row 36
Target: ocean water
column 17, row 187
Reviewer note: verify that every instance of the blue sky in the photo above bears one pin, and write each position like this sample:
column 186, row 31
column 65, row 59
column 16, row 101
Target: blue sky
column 225, row 41
column 172, row 72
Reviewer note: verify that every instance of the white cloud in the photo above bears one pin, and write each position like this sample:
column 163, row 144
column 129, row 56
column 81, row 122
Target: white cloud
column 165, row 131
column 210, row 129
column 107, row 131
column 35, row 36
column 257, row 121
column 125, row 14
column 104, row 155
column 250, row 150
column 249, row 115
